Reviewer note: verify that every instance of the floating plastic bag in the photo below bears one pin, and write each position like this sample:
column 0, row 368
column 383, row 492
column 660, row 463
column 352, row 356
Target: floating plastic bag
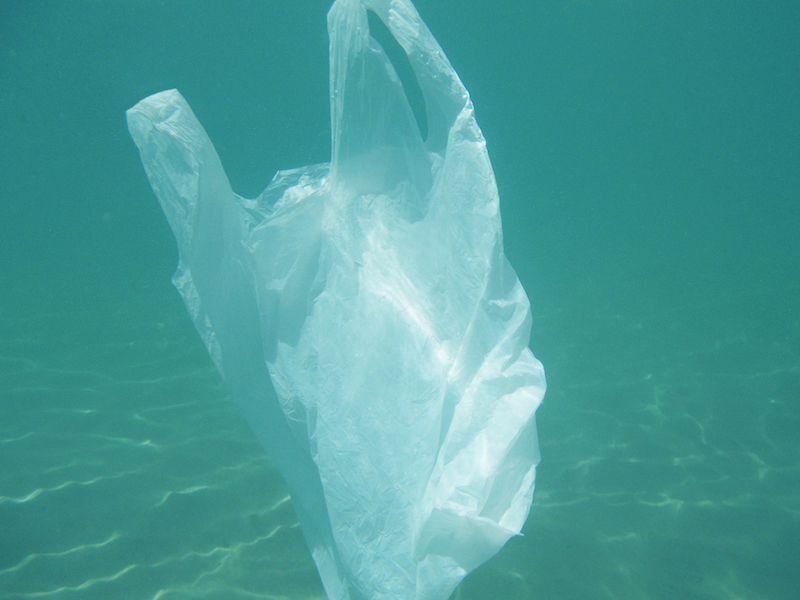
column 365, row 319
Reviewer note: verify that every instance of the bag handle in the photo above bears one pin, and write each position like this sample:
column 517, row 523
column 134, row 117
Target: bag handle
column 368, row 106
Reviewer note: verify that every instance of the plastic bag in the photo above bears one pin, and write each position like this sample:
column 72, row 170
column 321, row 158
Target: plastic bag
column 365, row 319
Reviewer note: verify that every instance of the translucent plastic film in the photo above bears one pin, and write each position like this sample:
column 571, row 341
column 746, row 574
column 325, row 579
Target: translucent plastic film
column 365, row 319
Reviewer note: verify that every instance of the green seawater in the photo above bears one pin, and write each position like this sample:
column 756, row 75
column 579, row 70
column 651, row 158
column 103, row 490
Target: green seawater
column 648, row 161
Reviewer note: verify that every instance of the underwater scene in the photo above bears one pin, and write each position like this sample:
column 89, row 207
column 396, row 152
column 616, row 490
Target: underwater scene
column 647, row 157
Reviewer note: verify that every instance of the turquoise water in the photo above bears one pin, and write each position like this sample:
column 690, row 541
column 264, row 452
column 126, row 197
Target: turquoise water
column 648, row 159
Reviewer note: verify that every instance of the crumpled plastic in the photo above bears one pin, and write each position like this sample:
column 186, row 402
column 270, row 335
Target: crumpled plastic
column 365, row 318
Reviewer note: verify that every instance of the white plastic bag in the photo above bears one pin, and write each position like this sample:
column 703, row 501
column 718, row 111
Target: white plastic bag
column 365, row 318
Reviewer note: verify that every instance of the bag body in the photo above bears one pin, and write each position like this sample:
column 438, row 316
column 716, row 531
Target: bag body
column 365, row 318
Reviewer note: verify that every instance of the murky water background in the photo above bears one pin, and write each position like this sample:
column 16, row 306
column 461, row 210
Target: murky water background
column 648, row 159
